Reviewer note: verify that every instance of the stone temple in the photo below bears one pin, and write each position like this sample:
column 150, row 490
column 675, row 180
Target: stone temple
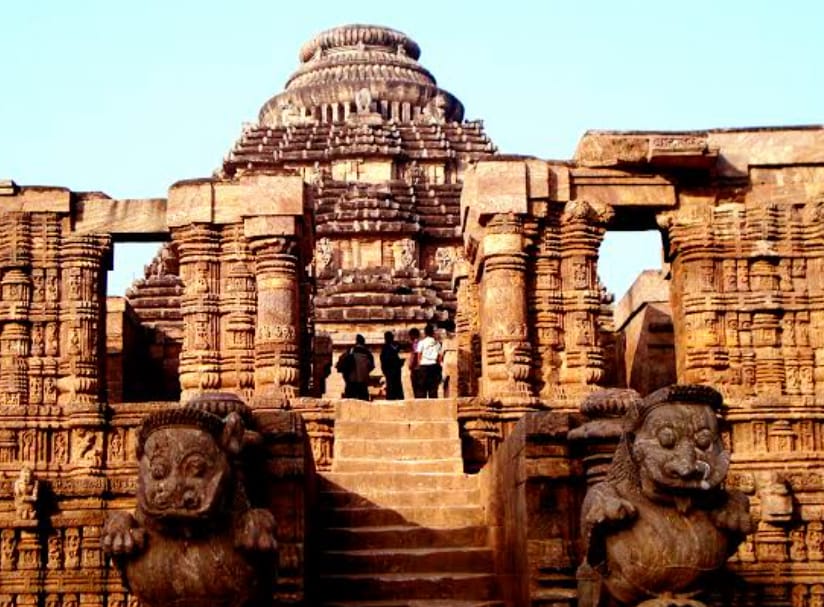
column 362, row 201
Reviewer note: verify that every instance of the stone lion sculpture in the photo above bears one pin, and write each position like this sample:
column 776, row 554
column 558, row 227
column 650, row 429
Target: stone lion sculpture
column 661, row 523
column 195, row 540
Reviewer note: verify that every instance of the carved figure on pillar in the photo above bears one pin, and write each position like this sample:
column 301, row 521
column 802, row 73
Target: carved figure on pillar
column 661, row 523
column 26, row 493
column 195, row 538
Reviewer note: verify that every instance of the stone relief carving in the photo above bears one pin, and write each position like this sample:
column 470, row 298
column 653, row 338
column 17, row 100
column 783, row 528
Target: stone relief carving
column 323, row 254
column 194, row 516
column 445, row 258
column 406, row 254
column 661, row 521
column 363, row 101
column 26, row 494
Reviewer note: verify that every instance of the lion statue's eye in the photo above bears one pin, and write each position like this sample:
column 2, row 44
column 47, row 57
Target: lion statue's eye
column 667, row 438
column 196, row 466
column 703, row 439
column 159, row 468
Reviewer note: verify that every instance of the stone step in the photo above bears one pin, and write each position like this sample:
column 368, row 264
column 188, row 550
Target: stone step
column 396, row 429
column 364, row 484
column 429, row 516
column 420, row 586
column 408, row 560
column 389, row 499
column 452, row 465
column 396, row 449
column 436, row 409
column 403, row 536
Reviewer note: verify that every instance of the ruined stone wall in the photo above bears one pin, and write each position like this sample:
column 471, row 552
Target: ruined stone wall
column 740, row 214
column 533, row 495
column 748, row 314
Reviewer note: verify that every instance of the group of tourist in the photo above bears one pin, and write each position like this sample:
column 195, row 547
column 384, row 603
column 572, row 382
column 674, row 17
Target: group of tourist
column 425, row 366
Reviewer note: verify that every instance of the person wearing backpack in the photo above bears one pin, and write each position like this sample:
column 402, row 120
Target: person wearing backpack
column 429, row 358
column 355, row 365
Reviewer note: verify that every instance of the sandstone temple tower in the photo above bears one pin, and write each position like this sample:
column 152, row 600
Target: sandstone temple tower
column 362, row 201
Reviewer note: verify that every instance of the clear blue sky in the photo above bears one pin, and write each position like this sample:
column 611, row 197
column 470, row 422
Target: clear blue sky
column 128, row 97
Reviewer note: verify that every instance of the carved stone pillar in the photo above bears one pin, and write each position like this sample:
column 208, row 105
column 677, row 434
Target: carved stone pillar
column 506, row 354
column 582, row 229
column 15, row 298
column 237, row 313
column 277, row 331
column 44, row 309
column 81, row 338
column 547, row 308
column 467, row 329
column 199, row 250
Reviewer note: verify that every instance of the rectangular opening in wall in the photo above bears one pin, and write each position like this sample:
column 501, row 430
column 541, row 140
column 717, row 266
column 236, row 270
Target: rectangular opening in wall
column 144, row 329
column 637, row 332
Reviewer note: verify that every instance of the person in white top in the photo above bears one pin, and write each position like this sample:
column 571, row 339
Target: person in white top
column 429, row 358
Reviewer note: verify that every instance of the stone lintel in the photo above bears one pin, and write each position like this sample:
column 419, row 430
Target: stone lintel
column 559, row 182
column 674, row 149
column 258, row 195
column 190, row 201
column 501, row 188
column 34, row 199
column 270, row 225
column 223, row 202
column 619, row 188
column 741, row 149
column 492, row 187
column 127, row 216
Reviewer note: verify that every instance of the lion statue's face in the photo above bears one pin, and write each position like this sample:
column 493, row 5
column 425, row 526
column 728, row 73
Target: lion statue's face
column 184, row 474
column 678, row 450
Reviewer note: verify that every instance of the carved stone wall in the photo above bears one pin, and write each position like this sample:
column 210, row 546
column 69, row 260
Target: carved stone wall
column 354, row 206
column 739, row 213
column 52, row 353
column 747, row 317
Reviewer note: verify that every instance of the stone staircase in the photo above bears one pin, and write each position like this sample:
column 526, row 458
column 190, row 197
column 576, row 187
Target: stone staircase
column 403, row 525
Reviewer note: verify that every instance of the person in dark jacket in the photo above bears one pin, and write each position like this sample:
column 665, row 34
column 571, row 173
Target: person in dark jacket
column 391, row 364
column 355, row 365
column 415, row 377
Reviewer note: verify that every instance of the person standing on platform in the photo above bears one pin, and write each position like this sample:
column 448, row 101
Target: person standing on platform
column 415, row 370
column 429, row 360
column 391, row 364
column 355, row 365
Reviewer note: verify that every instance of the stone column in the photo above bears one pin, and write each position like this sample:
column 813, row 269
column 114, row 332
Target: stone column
column 466, row 327
column 238, row 302
column 199, row 250
column 506, row 350
column 81, row 339
column 547, row 308
column 15, row 288
column 582, row 228
column 273, row 241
